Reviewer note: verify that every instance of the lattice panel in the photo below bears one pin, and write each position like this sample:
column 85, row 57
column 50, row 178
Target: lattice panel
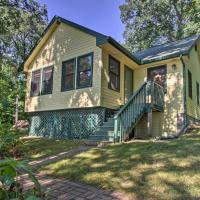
column 72, row 124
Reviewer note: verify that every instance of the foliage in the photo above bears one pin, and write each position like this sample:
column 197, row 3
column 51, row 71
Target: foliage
column 10, row 187
column 21, row 25
column 152, row 22
column 142, row 169
column 10, row 144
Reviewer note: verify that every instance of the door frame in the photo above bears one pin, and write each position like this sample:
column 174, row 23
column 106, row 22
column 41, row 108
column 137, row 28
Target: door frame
column 126, row 66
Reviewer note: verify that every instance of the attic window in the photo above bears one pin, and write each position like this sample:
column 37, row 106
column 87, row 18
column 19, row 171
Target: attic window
column 35, row 83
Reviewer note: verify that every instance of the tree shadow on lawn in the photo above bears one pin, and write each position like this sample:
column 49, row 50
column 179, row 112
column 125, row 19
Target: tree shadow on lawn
column 145, row 170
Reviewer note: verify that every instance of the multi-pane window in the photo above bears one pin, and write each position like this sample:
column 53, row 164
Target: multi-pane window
column 47, row 80
column 35, row 83
column 84, row 71
column 68, row 75
column 198, row 93
column 114, row 74
column 189, row 84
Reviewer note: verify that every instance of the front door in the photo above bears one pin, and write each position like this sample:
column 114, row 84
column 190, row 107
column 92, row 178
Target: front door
column 158, row 75
column 128, row 83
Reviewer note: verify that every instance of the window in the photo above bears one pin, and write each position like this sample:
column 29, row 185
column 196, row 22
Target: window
column 35, row 83
column 198, row 93
column 84, row 71
column 189, row 84
column 68, row 75
column 114, row 74
column 47, row 80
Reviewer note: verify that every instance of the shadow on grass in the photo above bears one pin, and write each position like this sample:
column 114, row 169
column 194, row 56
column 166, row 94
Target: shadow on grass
column 144, row 170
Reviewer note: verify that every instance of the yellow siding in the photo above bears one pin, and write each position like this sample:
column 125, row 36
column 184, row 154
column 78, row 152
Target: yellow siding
column 110, row 98
column 193, row 64
column 165, row 123
column 65, row 43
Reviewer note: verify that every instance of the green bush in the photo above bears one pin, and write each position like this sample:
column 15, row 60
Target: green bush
column 10, row 144
column 10, row 187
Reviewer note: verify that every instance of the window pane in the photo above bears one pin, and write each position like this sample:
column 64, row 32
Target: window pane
column 114, row 66
column 114, row 81
column 198, row 93
column 47, row 84
column 114, row 73
column 68, row 81
column 68, row 75
column 35, row 83
column 84, row 74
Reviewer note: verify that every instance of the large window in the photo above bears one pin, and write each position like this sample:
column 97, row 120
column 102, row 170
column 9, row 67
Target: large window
column 189, row 84
column 35, row 83
column 198, row 93
column 68, row 75
column 47, row 80
column 114, row 74
column 84, row 71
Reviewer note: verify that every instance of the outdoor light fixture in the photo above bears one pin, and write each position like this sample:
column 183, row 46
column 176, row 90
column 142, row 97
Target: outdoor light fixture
column 174, row 67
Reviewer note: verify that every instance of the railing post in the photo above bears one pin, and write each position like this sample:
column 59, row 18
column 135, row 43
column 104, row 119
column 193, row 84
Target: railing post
column 115, row 128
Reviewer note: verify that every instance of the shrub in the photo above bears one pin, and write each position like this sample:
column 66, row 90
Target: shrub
column 10, row 188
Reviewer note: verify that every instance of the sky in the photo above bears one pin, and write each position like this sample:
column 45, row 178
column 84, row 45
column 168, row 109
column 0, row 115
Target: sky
column 100, row 15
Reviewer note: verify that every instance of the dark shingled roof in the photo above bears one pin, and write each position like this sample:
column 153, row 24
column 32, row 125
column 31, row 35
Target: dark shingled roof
column 166, row 51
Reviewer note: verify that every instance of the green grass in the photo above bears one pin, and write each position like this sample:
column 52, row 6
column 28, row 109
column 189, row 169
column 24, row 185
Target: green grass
column 37, row 148
column 143, row 170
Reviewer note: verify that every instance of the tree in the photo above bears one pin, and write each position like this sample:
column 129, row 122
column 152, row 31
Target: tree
column 21, row 25
column 153, row 22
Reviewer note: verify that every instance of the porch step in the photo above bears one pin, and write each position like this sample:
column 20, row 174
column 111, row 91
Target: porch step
column 97, row 143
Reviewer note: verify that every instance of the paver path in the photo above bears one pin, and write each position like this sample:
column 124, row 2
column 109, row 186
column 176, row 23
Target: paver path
column 62, row 189
column 59, row 188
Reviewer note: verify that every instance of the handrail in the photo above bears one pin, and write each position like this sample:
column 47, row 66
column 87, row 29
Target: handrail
column 149, row 94
column 130, row 99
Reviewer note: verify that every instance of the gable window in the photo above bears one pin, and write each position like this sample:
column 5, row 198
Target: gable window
column 84, row 71
column 47, row 80
column 114, row 74
column 68, row 75
column 35, row 83
column 198, row 93
column 189, row 84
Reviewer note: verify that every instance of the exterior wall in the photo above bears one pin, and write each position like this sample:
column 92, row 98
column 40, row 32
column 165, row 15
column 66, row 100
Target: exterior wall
column 167, row 122
column 193, row 64
column 110, row 98
column 63, row 44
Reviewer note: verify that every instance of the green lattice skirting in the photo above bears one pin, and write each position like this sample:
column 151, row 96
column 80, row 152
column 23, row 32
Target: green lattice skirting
column 71, row 124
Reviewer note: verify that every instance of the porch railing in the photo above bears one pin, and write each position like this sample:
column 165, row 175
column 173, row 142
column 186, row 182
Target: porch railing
column 150, row 95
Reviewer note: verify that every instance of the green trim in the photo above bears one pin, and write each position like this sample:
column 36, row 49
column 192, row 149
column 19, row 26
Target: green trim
column 77, row 71
column 109, row 84
column 62, row 75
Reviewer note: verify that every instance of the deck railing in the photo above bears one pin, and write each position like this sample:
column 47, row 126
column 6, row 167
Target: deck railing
column 150, row 95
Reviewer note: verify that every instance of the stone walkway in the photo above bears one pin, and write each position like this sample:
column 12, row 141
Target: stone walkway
column 62, row 189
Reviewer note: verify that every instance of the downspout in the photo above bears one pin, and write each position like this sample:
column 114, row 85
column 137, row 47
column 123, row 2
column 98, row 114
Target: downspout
column 184, row 91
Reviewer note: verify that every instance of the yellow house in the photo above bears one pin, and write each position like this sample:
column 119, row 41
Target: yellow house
column 83, row 84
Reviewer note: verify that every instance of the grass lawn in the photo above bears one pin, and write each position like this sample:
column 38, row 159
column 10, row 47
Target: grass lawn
column 143, row 170
column 38, row 148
